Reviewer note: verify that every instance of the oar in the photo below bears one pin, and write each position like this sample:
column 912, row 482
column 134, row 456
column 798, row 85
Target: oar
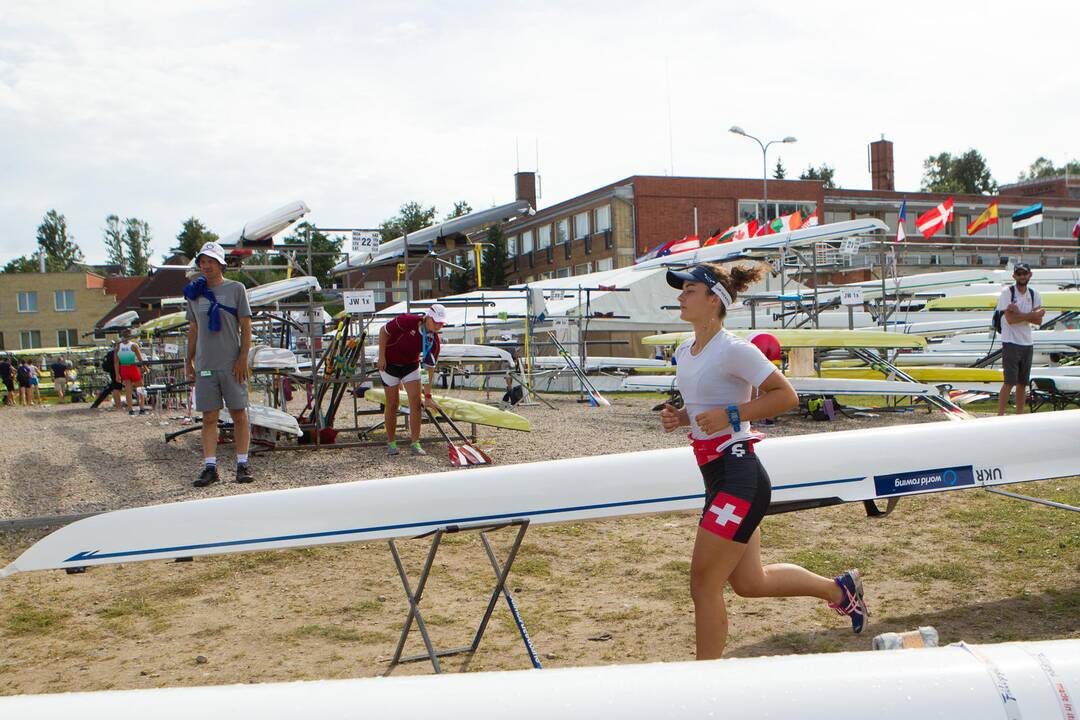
column 463, row 452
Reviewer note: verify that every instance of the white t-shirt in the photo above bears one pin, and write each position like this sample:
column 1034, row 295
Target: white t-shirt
column 723, row 373
column 1018, row 333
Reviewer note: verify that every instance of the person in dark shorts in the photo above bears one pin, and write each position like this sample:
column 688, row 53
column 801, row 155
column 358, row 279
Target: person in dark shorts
column 219, row 338
column 113, row 386
column 23, row 377
column 7, row 377
column 408, row 350
column 717, row 373
column 1021, row 307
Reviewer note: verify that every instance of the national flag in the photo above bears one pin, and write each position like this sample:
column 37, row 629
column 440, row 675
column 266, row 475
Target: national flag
column 901, row 235
column 931, row 221
column 811, row 221
column 721, row 237
column 1031, row 215
column 989, row 217
column 1076, row 229
column 687, row 242
column 786, row 223
column 763, row 229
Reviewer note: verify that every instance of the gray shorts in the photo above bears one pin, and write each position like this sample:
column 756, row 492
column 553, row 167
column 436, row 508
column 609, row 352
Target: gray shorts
column 1016, row 362
column 220, row 386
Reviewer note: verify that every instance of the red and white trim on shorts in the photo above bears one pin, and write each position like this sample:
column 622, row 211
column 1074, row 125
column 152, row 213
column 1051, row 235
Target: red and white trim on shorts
column 705, row 451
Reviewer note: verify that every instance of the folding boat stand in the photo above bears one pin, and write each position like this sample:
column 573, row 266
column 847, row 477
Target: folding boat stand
column 502, row 571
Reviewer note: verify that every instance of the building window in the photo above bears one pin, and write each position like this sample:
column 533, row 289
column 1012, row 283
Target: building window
column 67, row 338
column 549, row 275
column 583, row 269
column 425, row 289
column 751, row 209
column 27, row 302
column 511, row 246
column 581, row 225
column 562, row 231
column 543, row 236
column 526, row 242
column 562, row 273
column 605, row 264
column 603, row 218
column 64, row 300
column 399, row 291
column 379, row 287
column 29, row 339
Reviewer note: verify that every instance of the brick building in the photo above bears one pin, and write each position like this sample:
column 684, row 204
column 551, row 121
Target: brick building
column 50, row 309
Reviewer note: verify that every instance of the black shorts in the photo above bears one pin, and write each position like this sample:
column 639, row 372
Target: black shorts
column 400, row 370
column 737, row 493
column 9, row 384
column 1016, row 363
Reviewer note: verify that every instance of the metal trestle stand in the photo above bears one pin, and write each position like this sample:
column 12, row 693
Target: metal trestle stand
column 502, row 572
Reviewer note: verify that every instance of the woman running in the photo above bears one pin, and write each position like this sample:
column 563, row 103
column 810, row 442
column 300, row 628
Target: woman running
column 128, row 359
column 717, row 372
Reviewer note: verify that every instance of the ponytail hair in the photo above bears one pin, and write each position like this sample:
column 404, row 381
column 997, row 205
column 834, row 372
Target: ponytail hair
column 735, row 280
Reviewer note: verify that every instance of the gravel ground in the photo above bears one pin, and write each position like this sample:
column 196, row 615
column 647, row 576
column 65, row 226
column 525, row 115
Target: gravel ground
column 70, row 459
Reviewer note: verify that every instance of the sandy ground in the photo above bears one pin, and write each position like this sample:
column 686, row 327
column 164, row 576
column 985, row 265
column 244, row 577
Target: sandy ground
column 977, row 567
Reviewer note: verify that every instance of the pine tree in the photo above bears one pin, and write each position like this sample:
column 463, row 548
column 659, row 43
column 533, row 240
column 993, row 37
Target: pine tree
column 780, row 172
column 193, row 235
column 59, row 247
column 137, row 244
column 114, row 243
column 493, row 260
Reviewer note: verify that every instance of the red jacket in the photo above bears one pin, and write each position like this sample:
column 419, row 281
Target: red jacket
column 405, row 340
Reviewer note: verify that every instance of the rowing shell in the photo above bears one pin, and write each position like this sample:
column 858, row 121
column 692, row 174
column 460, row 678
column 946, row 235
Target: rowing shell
column 807, row 470
column 926, row 374
column 1063, row 300
column 973, row 682
column 804, row 386
column 464, row 411
column 810, row 338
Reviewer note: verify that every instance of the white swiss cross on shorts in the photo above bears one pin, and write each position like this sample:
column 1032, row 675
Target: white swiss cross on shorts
column 724, row 515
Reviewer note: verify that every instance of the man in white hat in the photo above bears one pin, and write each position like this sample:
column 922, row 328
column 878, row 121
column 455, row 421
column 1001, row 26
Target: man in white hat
column 408, row 351
column 219, row 337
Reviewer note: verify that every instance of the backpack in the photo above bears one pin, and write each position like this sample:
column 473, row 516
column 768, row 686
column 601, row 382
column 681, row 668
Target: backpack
column 996, row 319
column 23, row 374
column 107, row 362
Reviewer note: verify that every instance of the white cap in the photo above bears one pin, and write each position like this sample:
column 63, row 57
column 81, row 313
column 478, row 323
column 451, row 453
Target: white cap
column 212, row 249
column 437, row 312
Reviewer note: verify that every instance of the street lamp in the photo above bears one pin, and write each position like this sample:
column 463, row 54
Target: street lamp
column 764, row 163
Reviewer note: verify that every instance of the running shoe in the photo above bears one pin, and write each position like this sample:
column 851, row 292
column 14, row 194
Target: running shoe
column 853, row 604
column 144, row 411
column 243, row 474
column 208, row 476
column 415, row 449
column 131, row 412
column 392, row 449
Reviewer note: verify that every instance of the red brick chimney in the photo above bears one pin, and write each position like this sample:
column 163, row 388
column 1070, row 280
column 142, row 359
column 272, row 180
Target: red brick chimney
column 882, row 176
column 525, row 187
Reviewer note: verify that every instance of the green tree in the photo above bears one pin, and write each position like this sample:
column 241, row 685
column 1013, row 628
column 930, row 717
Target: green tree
column 325, row 250
column 824, row 173
column 58, row 245
column 461, row 207
column 412, row 216
column 967, row 173
column 193, row 235
column 1044, row 167
column 137, row 239
column 461, row 281
column 114, row 243
column 779, row 172
column 493, row 260
column 23, row 264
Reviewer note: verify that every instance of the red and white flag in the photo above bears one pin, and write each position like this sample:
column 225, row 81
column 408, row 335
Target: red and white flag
column 811, row 221
column 1076, row 229
column 931, row 221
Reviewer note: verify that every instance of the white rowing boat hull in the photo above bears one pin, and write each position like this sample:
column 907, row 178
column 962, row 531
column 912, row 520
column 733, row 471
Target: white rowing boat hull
column 846, row 466
column 279, row 290
column 964, row 682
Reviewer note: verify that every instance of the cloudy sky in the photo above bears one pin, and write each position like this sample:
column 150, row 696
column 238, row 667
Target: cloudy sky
column 225, row 109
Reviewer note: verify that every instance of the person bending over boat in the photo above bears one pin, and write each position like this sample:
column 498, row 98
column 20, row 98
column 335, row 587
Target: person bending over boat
column 408, row 351
column 717, row 372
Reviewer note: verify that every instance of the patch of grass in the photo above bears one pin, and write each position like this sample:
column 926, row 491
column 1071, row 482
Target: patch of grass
column 214, row 631
column 129, row 606
column 680, row 567
column 437, row 619
column 363, row 607
column 624, row 615
column 533, row 567
column 952, row 571
column 827, row 562
column 26, row 619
